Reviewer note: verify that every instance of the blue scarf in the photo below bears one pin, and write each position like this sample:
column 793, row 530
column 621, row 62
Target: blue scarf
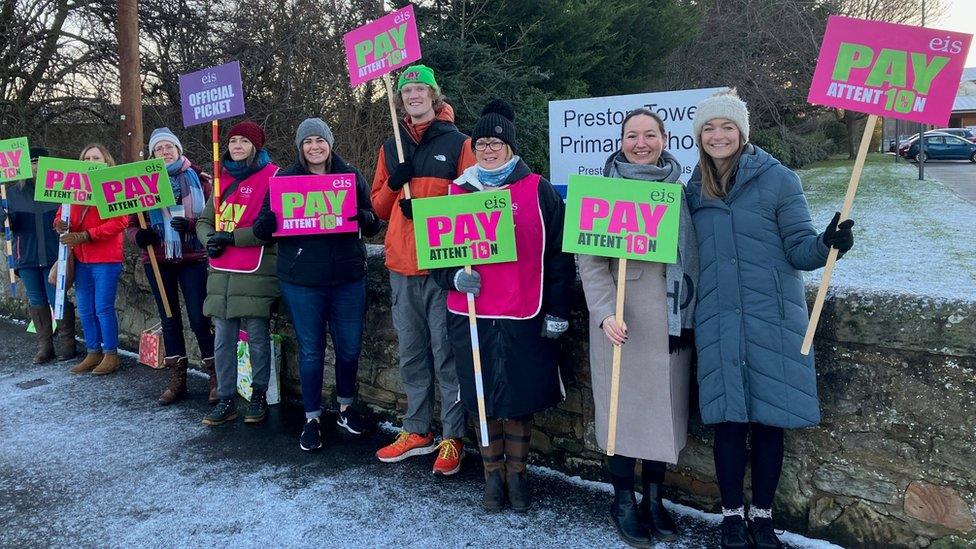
column 188, row 192
column 240, row 170
column 497, row 177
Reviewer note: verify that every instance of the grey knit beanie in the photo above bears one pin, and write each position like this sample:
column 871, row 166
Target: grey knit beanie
column 725, row 104
column 310, row 127
column 163, row 134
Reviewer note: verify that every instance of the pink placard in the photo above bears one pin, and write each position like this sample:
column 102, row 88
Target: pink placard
column 314, row 204
column 897, row 71
column 384, row 45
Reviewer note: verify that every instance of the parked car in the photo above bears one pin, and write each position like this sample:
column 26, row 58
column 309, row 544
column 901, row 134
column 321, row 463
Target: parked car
column 942, row 146
column 964, row 133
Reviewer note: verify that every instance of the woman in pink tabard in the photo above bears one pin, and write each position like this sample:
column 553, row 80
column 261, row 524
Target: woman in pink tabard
column 242, row 285
column 522, row 307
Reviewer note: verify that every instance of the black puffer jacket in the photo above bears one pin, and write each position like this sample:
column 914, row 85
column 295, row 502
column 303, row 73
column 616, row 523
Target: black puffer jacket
column 35, row 244
column 324, row 260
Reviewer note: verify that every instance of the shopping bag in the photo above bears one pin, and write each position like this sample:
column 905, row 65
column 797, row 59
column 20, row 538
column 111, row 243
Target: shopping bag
column 244, row 368
column 151, row 348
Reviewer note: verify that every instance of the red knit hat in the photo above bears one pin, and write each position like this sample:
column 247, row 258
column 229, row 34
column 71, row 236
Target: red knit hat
column 250, row 131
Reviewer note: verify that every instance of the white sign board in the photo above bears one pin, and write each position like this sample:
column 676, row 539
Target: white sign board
column 584, row 132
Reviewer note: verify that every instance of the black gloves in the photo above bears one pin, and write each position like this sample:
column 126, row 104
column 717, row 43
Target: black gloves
column 406, row 207
column 401, row 176
column 180, row 224
column 217, row 242
column 146, row 238
column 265, row 225
column 839, row 236
column 364, row 217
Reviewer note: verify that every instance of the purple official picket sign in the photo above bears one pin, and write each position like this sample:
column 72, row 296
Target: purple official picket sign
column 212, row 94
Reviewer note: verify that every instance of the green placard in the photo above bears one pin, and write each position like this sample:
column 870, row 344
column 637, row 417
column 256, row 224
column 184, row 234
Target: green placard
column 623, row 218
column 14, row 159
column 64, row 181
column 131, row 188
column 465, row 229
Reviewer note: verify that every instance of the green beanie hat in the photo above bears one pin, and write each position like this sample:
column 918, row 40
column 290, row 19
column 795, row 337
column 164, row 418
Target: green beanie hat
column 417, row 74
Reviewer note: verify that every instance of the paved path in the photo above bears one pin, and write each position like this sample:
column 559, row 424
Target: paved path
column 94, row 462
column 957, row 175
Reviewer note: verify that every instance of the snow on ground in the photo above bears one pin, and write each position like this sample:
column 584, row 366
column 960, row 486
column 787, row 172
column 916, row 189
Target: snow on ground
column 94, row 462
column 911, row 237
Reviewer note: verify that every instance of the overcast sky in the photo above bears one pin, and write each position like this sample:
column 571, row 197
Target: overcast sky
column 960, row 16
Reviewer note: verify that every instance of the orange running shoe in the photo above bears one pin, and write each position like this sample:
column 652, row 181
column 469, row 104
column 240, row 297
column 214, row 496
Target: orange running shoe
column 449, row 457
column 407, row 445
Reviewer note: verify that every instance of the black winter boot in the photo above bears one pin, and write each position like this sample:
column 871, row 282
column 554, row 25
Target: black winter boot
column 734, row 533
column 257, row 409
column 762, row 534
column 624, row 516
column 654, row 516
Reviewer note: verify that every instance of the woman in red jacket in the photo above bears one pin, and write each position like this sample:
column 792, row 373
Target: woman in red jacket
column 96, row 245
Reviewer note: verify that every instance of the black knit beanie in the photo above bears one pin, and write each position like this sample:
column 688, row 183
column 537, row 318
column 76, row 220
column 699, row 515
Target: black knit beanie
column 498, row 121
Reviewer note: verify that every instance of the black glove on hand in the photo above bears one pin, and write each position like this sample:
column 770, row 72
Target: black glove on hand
column 146, row 238
column 401, row 176
column 553, row 327
column 180, row 224
column 363, row 216
column 469, row 283
column 265, row 225
column 218, row 241
column 406, row 207
column 840, row 235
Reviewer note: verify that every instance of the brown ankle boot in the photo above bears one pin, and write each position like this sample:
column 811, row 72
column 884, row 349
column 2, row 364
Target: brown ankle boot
column 91, row 360
column 64, row 336
column 208, row 366
column 45, row 336
column 177, row 380
column 108, row 365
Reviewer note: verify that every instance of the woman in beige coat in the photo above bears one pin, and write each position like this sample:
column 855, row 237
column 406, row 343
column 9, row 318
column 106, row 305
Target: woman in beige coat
column 652, row 412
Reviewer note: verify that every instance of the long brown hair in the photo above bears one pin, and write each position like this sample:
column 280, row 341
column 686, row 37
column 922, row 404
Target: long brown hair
column 715, row 182
column 109, row 160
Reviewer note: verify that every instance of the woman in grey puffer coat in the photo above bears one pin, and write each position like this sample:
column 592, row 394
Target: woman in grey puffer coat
column 755, row 236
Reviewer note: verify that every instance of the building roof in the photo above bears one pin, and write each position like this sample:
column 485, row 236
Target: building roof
column 964, row 103
column 969, row 73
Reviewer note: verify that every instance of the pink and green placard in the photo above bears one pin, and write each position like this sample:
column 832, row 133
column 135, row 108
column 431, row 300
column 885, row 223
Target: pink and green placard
column 14, row 159
column 314, row 204
column 382, row 46
column 465, row 229
column 898, row 71
column 622, row 218
column 132, row 188
column 65, row 181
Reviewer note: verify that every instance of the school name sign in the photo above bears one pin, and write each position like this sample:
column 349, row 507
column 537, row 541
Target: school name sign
column 464, row 229
column 622, row 218
column 379, row 47
column 886, row 69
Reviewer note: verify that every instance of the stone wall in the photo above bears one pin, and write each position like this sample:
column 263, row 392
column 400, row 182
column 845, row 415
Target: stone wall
column 892, row 465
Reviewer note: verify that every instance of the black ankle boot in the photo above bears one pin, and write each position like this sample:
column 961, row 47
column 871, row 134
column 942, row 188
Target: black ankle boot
column 624, row 515
column 734, row 533
column 494, row 497
column 654, row 516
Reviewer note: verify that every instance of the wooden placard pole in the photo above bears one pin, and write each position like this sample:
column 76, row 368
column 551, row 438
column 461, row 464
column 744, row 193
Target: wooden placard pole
column 615, row 371
column 8, row 237
column 479, row 383
column 155, row 268
column 396, row 127
column 862, row 153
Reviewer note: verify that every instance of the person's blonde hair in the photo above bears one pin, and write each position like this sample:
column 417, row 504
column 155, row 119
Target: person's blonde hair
column 715, row 181
column 436, row 97
column 109, row 160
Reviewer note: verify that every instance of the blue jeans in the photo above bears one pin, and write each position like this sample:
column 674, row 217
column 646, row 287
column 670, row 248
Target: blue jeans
column 341, row 309
column 191, row 278
column 95, row 287
column 40, row 293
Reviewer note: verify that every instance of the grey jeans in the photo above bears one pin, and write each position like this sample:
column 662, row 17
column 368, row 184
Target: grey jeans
column 420, row 320
column 225, row 352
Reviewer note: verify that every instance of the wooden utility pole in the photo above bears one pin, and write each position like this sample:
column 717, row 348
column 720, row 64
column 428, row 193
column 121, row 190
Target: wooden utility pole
column 130, row 82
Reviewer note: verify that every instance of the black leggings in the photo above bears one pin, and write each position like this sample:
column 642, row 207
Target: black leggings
column 622, row 471
column 730, row 462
